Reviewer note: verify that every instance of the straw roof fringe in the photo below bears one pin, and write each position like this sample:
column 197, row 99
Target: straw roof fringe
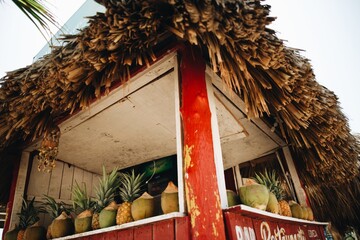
column 272, row 79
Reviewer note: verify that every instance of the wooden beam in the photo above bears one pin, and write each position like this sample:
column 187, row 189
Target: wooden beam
column 300, row 193
column 20, row 188
column 201, row 187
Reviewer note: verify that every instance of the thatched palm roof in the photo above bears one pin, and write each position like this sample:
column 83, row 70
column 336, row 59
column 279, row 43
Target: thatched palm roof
column 272, row 79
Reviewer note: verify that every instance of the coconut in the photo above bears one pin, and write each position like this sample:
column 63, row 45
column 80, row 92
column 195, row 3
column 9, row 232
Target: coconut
column 296, row 210
column 143, row 207
column 169, row 199
column 48, row 232
column 83, row 222
column 35, row 232
column 304, row 212
column 11, row 235
column 232, row 198
column 273, row 204
column 62, row 226
column 107, row 216
column 310, row 214
column 255, row 195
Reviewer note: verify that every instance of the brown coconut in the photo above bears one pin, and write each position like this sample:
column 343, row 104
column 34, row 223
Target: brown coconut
column 169, row 199
column 62, row 226
column 35, row 232
column 83, row 222
column 143, row 207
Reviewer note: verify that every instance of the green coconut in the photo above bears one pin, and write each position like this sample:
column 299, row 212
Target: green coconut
column 255, row 195
column 143, row 207
column 35, row 233
column 107, row 216
column 83, row 222
column 304, row 212
column 11, row 235
column 232, row 198
column 310, row 214
column 62, row 226
column 296, row 209
column 273, row 204
column 169, row 199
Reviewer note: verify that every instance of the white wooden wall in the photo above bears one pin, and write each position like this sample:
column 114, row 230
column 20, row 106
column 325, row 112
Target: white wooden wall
column 58, row 184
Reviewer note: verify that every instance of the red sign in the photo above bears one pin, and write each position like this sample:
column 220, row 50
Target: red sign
column 240, row 227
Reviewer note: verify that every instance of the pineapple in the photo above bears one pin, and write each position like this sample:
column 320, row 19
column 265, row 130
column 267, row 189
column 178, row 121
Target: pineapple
column 28, row 216
column 130, row 189
column 55, row 208
column 104, row 194
column 273, row 183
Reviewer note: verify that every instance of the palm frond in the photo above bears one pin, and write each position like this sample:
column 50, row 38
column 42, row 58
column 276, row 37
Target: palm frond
column 38, row 14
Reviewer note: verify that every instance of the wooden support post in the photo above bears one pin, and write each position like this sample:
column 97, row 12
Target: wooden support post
column 201, row 187
column 300, row 193
column 20, row 188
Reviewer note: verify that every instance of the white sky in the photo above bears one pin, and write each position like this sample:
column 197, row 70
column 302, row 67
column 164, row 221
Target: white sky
column 328, row 31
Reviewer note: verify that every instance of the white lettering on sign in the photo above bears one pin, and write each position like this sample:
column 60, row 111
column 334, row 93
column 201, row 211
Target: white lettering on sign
column 246, row 233
column 312, row 233
column 279, row 233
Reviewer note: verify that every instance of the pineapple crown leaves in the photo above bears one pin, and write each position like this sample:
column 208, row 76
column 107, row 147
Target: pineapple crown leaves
column 105, row 191
column 80, row 198
column 271, row 181
column 55, row 208
column 131, row 186
column 29, row 214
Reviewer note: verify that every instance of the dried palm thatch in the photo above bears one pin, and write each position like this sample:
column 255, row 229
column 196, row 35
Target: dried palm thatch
column 273, row 80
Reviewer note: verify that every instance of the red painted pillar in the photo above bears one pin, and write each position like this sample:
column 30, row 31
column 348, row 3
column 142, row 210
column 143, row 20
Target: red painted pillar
column 9, row 205
column 201, row 187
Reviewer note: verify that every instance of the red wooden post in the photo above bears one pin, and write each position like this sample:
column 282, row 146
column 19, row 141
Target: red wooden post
column 9, row 205
column 201, row 187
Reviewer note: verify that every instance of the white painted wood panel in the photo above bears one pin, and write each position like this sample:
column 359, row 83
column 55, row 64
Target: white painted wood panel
column 78, row 177
column 67, row 180
column 55, row 180
column 38, row 181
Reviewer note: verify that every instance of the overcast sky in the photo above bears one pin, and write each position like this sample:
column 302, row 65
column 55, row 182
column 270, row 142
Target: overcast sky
column 328, row 31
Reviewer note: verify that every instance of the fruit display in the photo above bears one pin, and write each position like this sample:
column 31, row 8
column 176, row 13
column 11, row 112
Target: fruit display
column 131, row 187
column 104, row 194
column 82, row 203
column 28, row 216
column 143, row 207
column 169, row 199
column 277, row 204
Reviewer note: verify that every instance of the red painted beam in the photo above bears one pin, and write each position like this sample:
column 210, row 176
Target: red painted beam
column 9, row 205
column 201, row 188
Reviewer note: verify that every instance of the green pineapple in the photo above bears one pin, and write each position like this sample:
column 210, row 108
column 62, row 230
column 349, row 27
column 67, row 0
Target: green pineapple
column 273, row 183
column 130, row 189
column 104, row 194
